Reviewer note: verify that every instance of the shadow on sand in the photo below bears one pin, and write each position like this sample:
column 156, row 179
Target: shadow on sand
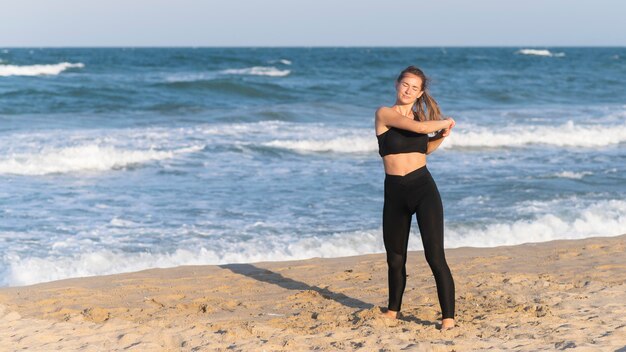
column 271, row 277
column 291, row 284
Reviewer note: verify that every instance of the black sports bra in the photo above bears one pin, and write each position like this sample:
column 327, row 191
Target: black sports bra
column 395, row 141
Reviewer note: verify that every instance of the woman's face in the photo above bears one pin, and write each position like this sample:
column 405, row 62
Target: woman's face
column 409, row 89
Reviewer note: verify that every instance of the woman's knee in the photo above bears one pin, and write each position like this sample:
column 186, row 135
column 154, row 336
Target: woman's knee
column 436, row 259
column 396, row 260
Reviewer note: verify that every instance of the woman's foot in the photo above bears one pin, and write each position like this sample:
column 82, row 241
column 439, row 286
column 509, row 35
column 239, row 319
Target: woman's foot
column 390, row 314
column 447, row 324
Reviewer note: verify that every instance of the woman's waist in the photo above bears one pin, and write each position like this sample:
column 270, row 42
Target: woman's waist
column 421, row 175
column 403, row 164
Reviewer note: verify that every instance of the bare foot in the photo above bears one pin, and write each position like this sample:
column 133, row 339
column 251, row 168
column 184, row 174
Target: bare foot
column 390, row 314
column 447, row 324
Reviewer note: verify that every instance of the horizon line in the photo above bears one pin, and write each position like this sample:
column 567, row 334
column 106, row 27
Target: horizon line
column 301, row 46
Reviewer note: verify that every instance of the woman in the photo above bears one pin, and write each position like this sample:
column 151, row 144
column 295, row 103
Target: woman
column 402, row 131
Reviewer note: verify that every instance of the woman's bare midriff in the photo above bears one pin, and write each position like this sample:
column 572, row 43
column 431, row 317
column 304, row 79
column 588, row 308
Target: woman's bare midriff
column 404, row 163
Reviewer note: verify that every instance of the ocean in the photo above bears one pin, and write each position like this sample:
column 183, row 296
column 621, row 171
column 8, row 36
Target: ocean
column 121, row 159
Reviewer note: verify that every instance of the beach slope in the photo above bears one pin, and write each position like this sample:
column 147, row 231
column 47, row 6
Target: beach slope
column 536, row 296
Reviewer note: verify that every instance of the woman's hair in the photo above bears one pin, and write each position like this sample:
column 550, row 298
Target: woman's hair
column 425, row 107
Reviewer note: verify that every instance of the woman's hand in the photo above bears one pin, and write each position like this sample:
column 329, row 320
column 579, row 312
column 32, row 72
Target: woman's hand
column 446, row 132
column 452, row 122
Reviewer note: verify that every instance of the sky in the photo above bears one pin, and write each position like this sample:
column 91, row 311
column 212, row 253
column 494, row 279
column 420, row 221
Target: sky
column 533, row 23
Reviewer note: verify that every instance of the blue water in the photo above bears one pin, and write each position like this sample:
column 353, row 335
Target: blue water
column 115, row 160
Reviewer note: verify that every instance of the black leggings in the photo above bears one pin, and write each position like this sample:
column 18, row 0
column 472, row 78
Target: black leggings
column 415, row 192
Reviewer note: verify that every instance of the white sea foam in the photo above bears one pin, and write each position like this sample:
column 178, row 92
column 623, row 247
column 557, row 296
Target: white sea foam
column 569, row 134
column 257, row 71
column 190, row 77
column 117, row 222
column 29, row 270
column 353, row 144
column 573, row 175
column 100, row 150
column 36, row 70
column 603, row 218
column 282, row 61
column 86, row 157
column 565, row 135
column 538, row 52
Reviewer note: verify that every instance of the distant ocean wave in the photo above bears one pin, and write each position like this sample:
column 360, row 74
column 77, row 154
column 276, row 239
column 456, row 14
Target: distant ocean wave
column 573, row 175
column 565, row 135
column 219, row 75
column 539, row 52
column 223, row 86
column 352, row 144
column 87, row 157
column 282, row 61
column 569, row 134
column 37, row 70
column 48, row 153
column 258, row 71
column 191, row 77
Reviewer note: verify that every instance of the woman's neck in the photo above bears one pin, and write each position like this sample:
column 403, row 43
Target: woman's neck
column 405, row 110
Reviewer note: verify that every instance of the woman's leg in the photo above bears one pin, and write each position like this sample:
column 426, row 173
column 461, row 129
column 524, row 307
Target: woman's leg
column 396, row 226
column 429, row 214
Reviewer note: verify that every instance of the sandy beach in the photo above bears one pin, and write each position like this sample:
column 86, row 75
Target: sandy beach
column 558, row 295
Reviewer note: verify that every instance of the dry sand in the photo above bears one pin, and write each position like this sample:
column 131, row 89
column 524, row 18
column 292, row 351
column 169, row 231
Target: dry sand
column 566, row 294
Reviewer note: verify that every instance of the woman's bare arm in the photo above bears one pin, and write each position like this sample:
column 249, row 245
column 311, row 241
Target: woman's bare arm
column 390, row 118
column 434, row 142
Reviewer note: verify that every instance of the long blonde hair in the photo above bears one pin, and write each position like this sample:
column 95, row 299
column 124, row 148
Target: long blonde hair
column 425, row 107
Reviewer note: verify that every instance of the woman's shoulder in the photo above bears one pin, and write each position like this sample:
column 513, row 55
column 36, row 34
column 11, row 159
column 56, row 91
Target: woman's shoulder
column 381, row 110
column 380, row 121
